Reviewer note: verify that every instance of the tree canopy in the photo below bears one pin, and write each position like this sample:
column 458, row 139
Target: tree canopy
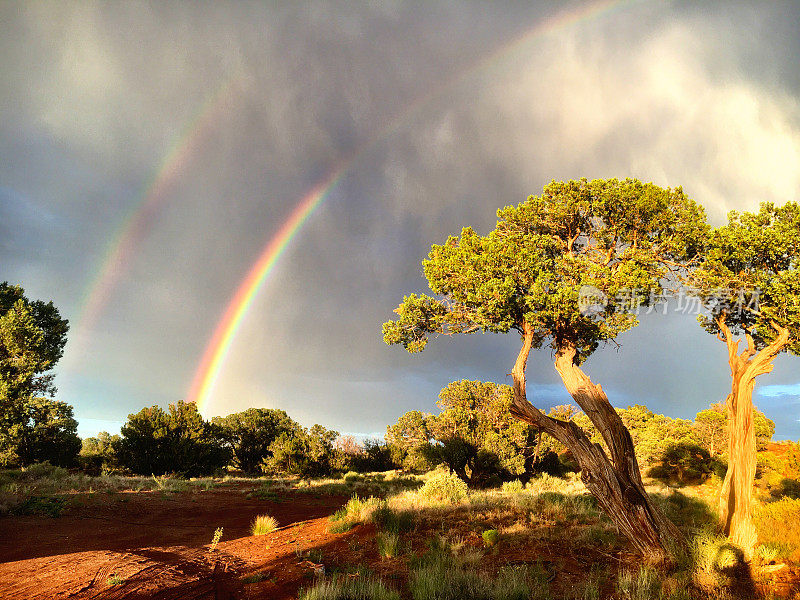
column 33, row 427
column 568, row 269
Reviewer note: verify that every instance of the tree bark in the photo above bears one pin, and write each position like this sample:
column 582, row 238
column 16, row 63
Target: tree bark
column 615, row 481
column 736, row 495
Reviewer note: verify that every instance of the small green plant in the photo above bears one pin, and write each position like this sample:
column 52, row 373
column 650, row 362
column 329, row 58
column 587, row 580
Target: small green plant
column 263, row 524
column 513, row 487
column 446, row 487
column 388, row 545
column 354, row 512
column 352, row 476
column 490, row 537
column 345, row 588
column 115, row 579
column 215, row 539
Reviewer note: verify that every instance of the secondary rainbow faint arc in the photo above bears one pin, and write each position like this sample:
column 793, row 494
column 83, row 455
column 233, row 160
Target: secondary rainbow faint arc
column 123, row 245
column 216, row 350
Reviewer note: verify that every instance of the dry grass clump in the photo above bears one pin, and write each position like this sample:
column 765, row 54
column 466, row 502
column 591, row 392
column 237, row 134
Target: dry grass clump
column 344, row 588
column 263, row 524
column 778, row 524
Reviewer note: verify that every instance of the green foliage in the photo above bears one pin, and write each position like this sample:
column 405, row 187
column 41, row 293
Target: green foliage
column 478, row 438
column 49, row 506
column 372, row 456
column 98, row 455
column 684, row 463
column 614, row 236
column 409, row 441
column 392, row 521
column 345, row 588
column 250, row 433
column 304, row 452
column 711, row 429
column 154, row 441
column 33, row 427
column 490, row 537
column 354, row 512
column 513, row 486
column 752, row 263
column 446, row 487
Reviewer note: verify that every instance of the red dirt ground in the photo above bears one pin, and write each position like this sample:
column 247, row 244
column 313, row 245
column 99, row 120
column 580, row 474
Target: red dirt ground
column 157, row 545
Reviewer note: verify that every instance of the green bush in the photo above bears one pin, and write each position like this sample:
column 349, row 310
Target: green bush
column 263, row 524
column 490, row 537
column 393, row 521
column 444, row 486
column 352, row 476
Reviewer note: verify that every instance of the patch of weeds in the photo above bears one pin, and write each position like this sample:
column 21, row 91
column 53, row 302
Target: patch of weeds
column 354, row 512
column 391, row 520
column 115, row 579
column 643, row 584
column 513, row 487
column 263, row 524
column 439, row 575
column 344, row 588
column 388, row 544
column 49, row 506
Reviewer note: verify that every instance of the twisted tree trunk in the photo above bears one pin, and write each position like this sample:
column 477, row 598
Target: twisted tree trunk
column 736, row 496
column 615, row 481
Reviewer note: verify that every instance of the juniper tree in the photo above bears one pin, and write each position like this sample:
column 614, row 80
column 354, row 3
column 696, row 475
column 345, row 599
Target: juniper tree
column 750, row 285
column 616, row 240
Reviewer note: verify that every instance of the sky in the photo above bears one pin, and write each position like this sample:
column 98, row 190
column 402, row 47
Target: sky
column 151, row 154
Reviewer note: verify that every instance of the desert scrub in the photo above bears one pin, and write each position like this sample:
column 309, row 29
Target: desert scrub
column 352, row 477
column 344, row 588
column 513, row 487
column 445, row 487
column 713, row 556
column 263, row 524
column 779, row 523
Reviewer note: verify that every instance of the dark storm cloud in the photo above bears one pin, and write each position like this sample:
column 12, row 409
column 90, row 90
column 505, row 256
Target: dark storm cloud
column 95, row 96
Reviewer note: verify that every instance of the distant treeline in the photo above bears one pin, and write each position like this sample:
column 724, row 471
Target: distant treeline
column 473, row 435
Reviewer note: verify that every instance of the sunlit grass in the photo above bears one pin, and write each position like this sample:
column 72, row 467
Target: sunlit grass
column 263, row 524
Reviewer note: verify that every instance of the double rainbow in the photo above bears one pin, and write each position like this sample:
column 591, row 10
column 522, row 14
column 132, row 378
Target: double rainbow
column 219, row 345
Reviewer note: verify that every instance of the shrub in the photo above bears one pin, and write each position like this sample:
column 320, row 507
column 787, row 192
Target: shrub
column 350, row 589
column 44, row 470
column 513, row 486
column 354, row 512
column 352, row 476
column 779, row 522
column 263, row 524
column 490, row 537
column 444, row 486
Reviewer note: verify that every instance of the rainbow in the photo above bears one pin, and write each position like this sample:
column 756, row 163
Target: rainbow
column 136, row 225
column 219, row 345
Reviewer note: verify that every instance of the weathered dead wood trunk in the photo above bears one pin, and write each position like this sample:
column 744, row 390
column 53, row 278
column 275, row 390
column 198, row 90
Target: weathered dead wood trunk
column 736, row 496
column 615, row 481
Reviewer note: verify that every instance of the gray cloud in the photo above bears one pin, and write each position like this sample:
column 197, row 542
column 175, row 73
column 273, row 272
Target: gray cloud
column 96, row 97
